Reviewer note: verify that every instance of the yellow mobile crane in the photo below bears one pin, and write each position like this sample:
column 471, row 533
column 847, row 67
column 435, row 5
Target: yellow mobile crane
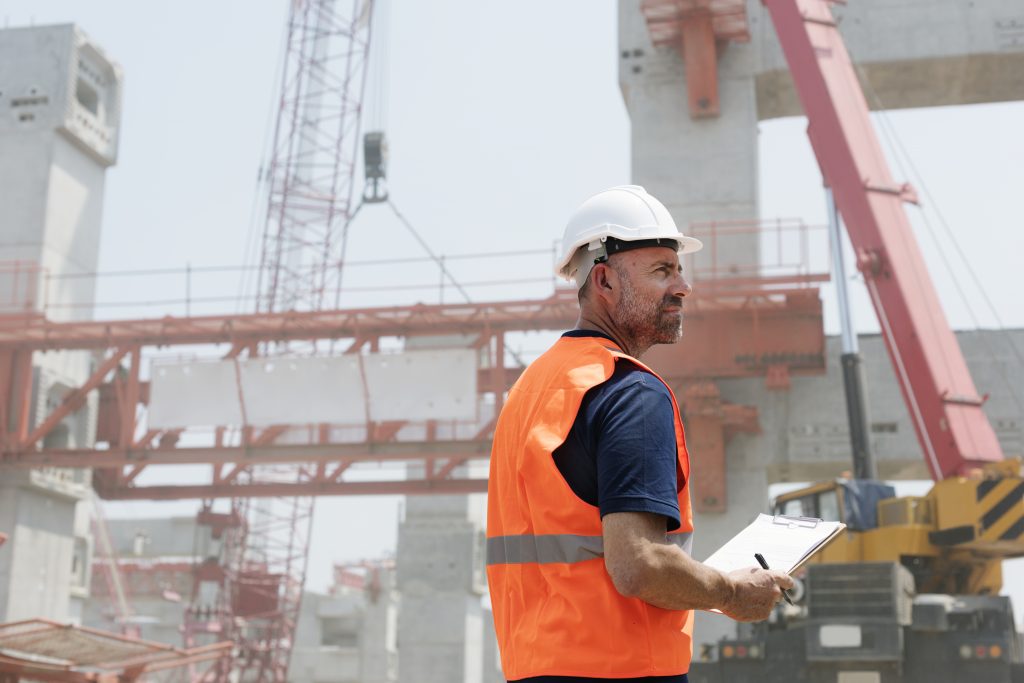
column 952, row 540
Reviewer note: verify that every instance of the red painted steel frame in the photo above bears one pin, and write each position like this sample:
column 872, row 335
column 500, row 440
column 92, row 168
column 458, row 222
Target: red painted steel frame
column 937, row 387
column 44, row 650
column 39, row 334
column 743, row 334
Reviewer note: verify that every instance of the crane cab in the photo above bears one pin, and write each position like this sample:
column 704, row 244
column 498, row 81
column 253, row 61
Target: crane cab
column 952, row 539
column 880, row 527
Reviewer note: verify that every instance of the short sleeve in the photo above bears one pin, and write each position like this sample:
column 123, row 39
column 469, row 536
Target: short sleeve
column 635, row 447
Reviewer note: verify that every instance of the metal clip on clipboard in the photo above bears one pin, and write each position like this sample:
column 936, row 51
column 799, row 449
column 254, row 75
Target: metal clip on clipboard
column 793, row 520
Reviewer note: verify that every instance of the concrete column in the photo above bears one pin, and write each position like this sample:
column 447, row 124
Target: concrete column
column 62, row 100
column 440, row 579
column 36, row 561
column 492, row 657
column 701, row 169
column 378, row 643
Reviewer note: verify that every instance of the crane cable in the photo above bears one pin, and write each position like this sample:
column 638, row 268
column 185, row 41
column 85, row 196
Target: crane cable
column 376, row 113
column 257, row 218
column 893, row 140
column 423, row 243
column 374, row 116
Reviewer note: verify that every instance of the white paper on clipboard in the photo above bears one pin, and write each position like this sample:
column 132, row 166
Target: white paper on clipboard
column 785, row 542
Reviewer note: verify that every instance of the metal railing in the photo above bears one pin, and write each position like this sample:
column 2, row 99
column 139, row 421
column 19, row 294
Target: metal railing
column 737, row 255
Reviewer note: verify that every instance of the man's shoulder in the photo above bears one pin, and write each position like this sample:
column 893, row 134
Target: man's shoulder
column 630, row 377
column 629, row 391
column 569, row 350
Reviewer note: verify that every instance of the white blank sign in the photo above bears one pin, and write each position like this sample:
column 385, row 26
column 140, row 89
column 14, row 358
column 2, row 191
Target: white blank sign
column 193, row 393
column 415, row 385
column 303, row 391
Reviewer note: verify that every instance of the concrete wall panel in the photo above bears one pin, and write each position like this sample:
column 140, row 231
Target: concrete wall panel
column 39, row 555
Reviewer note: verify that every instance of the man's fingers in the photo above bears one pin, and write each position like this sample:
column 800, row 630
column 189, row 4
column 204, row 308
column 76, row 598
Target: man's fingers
column 784, row 581
column 759, row 591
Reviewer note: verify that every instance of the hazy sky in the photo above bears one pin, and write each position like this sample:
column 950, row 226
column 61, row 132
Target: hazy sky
column 501, row 117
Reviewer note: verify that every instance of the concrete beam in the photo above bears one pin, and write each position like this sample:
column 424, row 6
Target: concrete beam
column 911, row 53
column 935, row 82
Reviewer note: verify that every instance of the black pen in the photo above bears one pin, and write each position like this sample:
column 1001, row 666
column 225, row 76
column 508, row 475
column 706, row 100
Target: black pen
column 764, row 565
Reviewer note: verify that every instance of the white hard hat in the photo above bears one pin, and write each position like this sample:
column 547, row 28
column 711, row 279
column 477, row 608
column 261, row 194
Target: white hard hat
column 626, row 213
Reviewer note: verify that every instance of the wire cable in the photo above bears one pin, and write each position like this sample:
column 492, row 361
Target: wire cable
column 344, row 251
column 426, row 247
column 899, row 150
column 262, row 188
column 380, row 57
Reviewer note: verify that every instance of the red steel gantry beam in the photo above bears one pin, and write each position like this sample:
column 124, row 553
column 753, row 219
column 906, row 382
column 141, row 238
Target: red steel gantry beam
column 744, row 333
column 937, row 388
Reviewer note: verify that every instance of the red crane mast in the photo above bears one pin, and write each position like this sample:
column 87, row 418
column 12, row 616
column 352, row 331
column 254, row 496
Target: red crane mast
column 944, row 405
column 311, row 177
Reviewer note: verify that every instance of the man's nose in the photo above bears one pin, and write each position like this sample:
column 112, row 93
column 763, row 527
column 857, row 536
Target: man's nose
column 681, row 287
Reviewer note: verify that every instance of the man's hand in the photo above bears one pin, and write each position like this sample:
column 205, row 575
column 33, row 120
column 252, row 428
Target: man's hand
column 755, row 592
column 643, row 564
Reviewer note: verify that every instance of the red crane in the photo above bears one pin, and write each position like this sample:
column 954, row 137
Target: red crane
column 311, row 178
column 944, row 405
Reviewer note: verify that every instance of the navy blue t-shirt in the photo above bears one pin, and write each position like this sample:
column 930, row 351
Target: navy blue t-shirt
column 620, row 456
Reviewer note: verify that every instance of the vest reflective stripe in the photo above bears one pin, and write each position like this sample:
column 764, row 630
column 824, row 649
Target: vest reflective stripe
column 556, row 612
column 554, row 548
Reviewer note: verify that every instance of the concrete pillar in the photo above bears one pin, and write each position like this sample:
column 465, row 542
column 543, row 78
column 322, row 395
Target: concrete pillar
column 346, row 637
column 62, row 98
column 36, row 561
column 378, row 642
column 701, row 169
column 440, row 569
column 492, row 657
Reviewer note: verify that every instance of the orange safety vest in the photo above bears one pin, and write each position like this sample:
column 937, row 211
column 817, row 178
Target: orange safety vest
column 556, row 611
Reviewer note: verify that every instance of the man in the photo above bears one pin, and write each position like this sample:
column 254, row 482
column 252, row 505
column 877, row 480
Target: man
column 589, row 523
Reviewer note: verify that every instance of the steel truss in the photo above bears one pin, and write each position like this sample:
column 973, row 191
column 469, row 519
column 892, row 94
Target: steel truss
column 772, row 334
column 942, row 400
column 313, row 158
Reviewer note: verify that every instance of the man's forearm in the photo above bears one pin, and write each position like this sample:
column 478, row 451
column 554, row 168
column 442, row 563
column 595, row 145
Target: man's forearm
column 644, row 565
column 663, row 575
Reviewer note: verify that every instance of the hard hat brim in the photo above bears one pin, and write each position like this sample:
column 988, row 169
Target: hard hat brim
column 689, row 245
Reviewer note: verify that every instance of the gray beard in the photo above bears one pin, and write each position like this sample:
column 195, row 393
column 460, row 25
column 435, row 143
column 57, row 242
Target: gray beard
column 645, row 322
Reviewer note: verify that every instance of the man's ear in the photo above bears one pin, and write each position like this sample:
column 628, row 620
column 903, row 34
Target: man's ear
column 603, row 279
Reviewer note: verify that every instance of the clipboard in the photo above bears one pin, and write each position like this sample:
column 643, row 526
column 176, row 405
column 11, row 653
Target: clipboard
column 786, row 542
column 809, row 522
